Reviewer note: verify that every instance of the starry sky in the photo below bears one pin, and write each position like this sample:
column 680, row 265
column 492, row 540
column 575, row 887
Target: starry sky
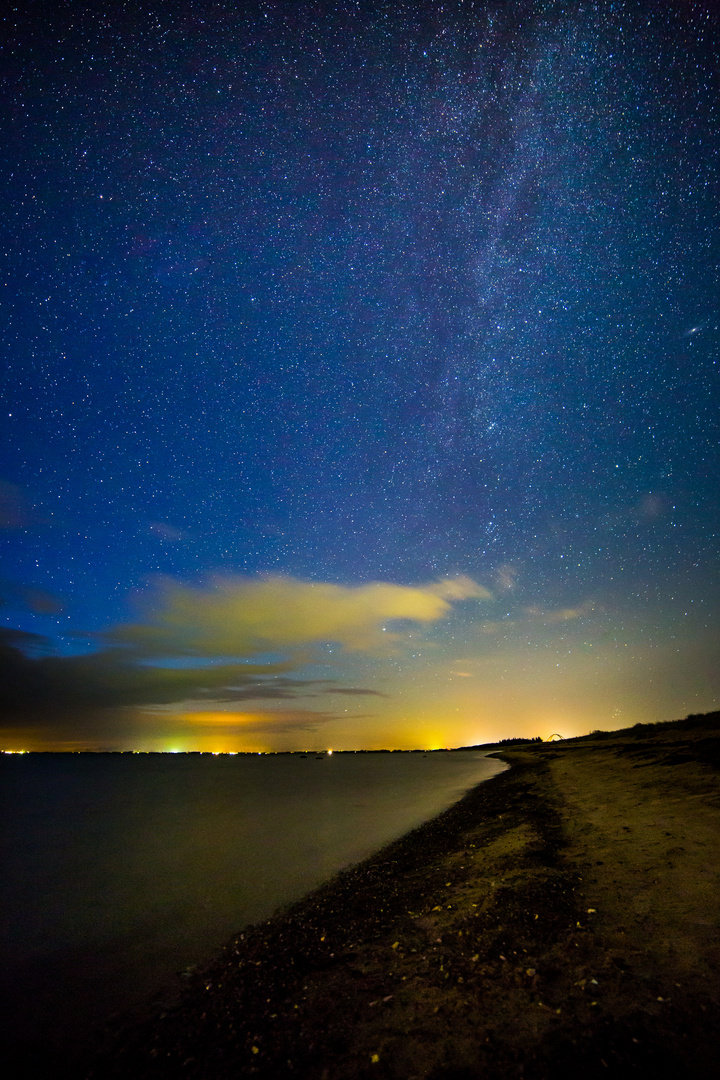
column 360, row 371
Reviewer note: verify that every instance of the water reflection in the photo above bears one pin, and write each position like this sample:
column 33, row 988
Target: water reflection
column 122, row 870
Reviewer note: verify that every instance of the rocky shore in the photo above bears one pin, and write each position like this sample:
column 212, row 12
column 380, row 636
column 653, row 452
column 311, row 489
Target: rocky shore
column 561, row 919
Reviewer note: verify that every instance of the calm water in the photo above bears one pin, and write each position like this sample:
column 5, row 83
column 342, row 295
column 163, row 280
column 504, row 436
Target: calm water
column 118, row 871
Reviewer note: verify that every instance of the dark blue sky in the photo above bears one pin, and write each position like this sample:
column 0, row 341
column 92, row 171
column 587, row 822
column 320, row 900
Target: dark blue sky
column 368, row 292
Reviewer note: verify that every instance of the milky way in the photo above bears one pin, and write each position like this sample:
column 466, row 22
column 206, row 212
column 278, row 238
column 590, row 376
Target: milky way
column 352, row 293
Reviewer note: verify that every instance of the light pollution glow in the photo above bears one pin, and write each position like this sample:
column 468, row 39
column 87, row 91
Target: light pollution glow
column 434, row 297
column 430, row 705
column 277, row 664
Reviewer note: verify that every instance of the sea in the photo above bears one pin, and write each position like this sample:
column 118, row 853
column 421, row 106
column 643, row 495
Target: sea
column 120, row 871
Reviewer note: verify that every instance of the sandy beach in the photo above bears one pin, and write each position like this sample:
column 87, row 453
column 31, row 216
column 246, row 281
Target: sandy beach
column 562, row 918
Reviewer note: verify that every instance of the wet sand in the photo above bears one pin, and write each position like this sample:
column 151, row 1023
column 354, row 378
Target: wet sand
column 562, row 918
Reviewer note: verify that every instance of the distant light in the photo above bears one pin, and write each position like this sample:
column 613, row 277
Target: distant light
column 329, row 753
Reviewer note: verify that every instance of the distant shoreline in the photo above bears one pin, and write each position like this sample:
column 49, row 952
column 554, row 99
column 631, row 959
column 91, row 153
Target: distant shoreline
column 562, row 915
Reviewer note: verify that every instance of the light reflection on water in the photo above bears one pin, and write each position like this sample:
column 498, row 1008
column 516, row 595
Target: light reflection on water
column 120, row 870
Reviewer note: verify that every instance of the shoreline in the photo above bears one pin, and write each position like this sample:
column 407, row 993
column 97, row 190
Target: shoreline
column 562, row 915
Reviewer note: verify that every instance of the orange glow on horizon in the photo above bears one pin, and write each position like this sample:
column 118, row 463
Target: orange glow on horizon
column 220, row 719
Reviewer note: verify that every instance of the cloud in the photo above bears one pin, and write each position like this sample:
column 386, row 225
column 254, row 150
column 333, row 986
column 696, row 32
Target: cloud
column 164, row 531
column 558, row 615
column 273, row 687
column 19, row 643
column 236, row 617
column 40, row 601
column 262, row 721
column 63, row 684
column 356, row 691
column 460, row 588
column 506, row 576
column 208, row 646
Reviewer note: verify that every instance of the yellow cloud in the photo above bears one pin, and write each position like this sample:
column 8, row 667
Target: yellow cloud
column 267, row 721
column 217, row 718
column 561, row 614
column 460, row 588
column 242, row 617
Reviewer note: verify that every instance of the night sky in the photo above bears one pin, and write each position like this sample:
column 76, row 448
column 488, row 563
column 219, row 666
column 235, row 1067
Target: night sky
column 360, row 371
